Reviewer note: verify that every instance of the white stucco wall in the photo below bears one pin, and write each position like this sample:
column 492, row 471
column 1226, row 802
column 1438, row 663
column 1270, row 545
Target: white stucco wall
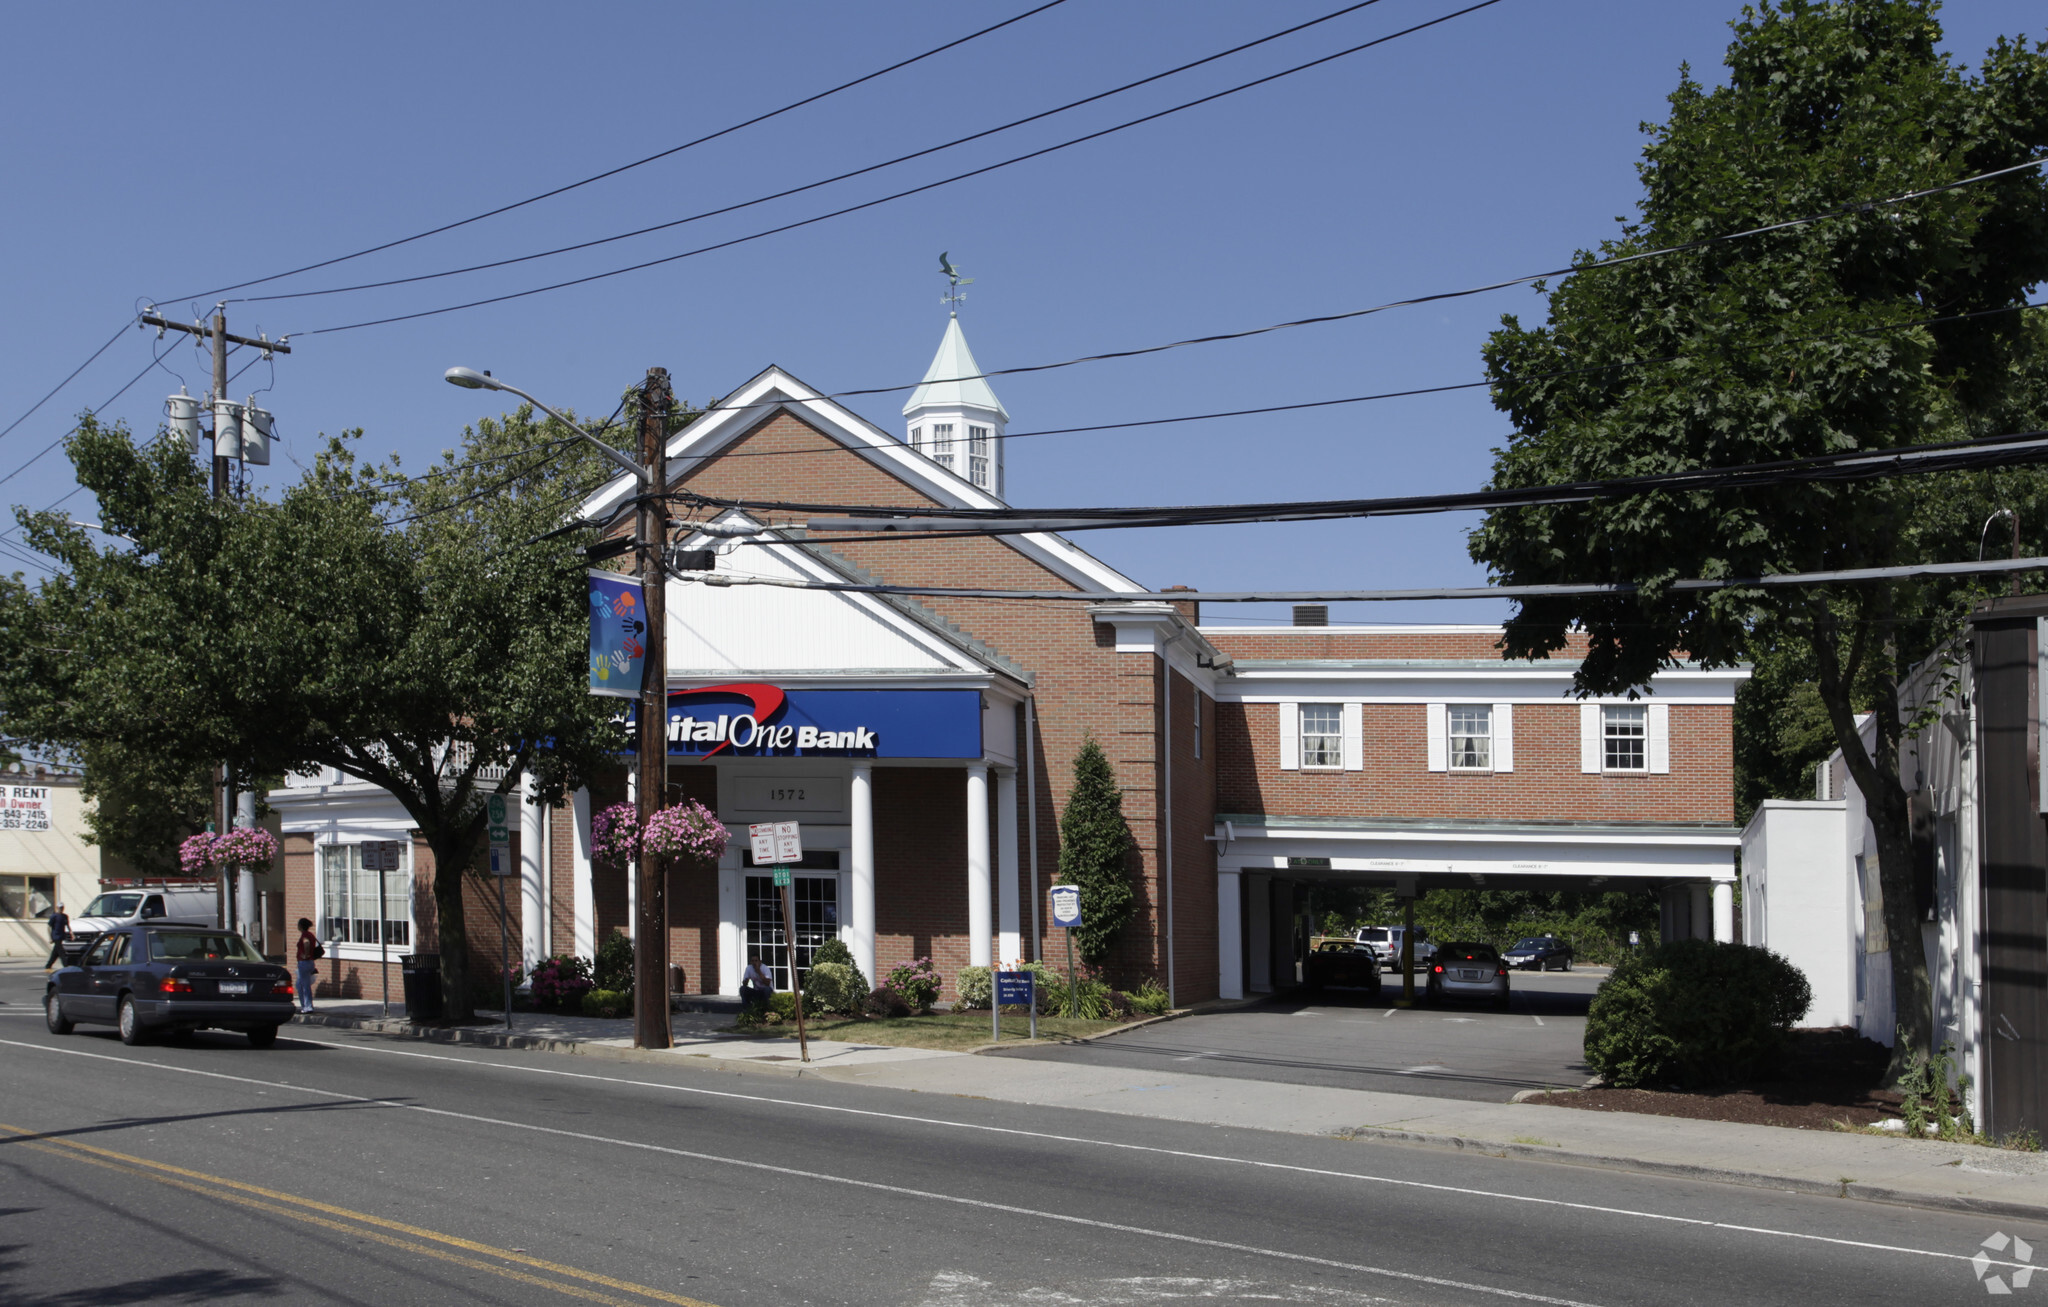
column 59, row 853
column 1794, row 901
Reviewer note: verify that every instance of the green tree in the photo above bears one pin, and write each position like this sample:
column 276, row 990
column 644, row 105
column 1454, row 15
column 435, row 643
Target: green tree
column 1796, row 343
column 412, row 631
column 139, row 810
column 1095, row 853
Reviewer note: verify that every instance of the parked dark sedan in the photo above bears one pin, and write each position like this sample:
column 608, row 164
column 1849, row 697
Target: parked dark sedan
column 1343, row 962
column 171, row 978
column 1540, row 953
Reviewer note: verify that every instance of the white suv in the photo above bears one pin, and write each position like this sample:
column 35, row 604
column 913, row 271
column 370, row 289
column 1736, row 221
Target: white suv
column 1385, row 943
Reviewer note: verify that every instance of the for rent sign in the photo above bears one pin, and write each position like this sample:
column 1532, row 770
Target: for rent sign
column 28, row 808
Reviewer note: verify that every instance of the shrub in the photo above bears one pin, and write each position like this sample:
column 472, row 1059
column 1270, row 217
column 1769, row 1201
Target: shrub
column 560, row 982
column 918, row 982
column 1095, row 852
column 833, row 950
column 834, row 987
column 608, row 1003
column 1693, row 1012
column 1150, row 999
column 614, row 969
column 975, row 987
column 781, row 1007
column 886, row 1002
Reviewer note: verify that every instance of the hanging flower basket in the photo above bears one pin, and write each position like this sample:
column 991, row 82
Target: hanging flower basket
column 197, row 855
column 244, row 846
column 688, row 832
column 615, row 835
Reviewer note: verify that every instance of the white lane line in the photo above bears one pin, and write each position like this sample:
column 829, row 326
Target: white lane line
column 905, row 1191
column 1389, row 1012
column 1459, row 1190
column 1533, row 1017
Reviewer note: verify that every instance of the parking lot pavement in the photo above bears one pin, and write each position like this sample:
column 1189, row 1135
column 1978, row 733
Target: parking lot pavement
column 1343, row 1039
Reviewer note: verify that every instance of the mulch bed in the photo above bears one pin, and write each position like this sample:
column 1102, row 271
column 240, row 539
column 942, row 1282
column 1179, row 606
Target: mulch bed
column 1830, row 1081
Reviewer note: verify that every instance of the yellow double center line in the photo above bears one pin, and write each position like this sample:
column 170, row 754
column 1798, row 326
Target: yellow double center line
column 361, row 1225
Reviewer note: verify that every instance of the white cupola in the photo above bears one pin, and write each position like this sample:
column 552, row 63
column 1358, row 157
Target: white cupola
column 954, row 419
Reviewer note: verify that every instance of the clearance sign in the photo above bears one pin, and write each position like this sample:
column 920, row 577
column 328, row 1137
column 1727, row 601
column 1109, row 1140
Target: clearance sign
column 752, row 719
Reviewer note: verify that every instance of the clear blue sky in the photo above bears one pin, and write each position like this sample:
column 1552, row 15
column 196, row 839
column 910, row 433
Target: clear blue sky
column 158, row 151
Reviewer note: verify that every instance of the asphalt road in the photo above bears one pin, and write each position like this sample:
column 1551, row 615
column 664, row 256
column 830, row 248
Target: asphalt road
column 345, row 1168
column 1345, row 1040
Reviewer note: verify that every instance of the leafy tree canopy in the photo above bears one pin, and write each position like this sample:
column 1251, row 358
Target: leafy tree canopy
column 410, row 630
column 1808, row 341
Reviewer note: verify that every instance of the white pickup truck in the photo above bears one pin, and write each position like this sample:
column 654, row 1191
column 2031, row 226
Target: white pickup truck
column 1385, row 943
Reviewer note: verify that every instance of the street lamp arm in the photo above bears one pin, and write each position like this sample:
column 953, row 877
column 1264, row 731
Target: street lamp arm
column 471, row 380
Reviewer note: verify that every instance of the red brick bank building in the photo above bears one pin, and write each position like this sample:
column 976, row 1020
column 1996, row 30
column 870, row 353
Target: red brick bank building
column 933, row 741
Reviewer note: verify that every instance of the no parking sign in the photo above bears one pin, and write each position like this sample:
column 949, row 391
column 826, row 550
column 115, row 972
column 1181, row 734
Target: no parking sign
column 1066, row 905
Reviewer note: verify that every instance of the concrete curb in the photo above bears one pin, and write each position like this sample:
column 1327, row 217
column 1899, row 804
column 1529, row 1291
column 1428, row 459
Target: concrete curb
column 1719, row 1175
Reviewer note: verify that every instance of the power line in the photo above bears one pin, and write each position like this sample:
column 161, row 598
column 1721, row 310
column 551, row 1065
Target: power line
column 915, row 190
column 613, row 172
column 811, row 186
column 895, row 523
column 1987, row 567
column 68, row 380
column 146, row 369
column 1364, row 399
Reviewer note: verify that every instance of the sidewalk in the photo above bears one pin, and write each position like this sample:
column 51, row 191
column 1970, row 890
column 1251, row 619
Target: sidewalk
column 1918, row 1173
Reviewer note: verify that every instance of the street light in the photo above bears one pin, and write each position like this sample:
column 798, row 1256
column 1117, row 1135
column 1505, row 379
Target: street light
column 650, row 927
column 471, row 379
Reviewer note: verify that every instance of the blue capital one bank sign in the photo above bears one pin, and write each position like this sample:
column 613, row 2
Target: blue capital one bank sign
column 752, row 719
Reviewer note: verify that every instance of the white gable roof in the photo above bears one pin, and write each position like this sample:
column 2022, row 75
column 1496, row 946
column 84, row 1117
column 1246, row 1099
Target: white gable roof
column 787, row 632
column 954, row 379
column 775, row 391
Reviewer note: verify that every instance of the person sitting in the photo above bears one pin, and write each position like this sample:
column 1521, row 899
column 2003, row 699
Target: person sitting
column 757, row 984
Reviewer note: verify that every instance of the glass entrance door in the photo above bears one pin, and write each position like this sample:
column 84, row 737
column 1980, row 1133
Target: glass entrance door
column 815, row 906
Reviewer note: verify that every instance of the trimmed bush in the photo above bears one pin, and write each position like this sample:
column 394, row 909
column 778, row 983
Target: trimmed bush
column 834, row 951
column 781, row 1008
column 614, row 969
column 1693, row 1012
column 560, row 982
column 834, row 987
column 608, row 1003
column 886, row 1002
column 918, row 982
column 975, row 987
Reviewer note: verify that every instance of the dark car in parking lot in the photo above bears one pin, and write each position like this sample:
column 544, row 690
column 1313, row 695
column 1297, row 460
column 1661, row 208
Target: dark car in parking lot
column 1468, row 971
column 1540, row 953
column 160, row 979
column 1343, row 962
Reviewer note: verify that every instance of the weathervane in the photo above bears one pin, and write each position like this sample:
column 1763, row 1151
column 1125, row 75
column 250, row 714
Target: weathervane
column 954, row 281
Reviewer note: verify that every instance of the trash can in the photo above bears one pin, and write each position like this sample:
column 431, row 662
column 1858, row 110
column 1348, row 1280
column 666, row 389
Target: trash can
column 422, row 973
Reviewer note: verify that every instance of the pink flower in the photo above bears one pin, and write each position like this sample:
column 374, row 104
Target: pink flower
column 689, row 831
column 615, row 834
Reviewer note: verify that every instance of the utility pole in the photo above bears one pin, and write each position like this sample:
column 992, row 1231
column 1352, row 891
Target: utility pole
column 651, row 1027
column 223, row 412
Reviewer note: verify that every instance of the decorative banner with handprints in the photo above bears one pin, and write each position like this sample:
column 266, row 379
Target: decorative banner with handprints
column 618, row 634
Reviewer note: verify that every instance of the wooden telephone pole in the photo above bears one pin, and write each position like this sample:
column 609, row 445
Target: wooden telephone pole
column 217, row 333
column 651, row 1026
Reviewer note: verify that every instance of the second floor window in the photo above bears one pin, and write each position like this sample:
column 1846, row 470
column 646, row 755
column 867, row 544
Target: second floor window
column 1624, row 731
column 1322, row 735
column 1471, row 731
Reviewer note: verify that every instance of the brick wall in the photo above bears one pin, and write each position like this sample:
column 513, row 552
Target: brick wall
column 1365, row 642
column 1546, row 782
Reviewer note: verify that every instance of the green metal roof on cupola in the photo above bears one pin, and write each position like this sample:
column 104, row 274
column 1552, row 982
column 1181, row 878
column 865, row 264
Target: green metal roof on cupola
column 944, row 386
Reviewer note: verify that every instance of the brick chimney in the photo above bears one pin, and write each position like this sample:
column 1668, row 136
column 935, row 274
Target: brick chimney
column 1190, row 610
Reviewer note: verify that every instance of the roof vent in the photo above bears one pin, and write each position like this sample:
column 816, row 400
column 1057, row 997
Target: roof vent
column 1311, row 614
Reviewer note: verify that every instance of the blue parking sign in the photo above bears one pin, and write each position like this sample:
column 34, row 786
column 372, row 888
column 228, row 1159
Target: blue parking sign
column 1066, row 905
column 1013, row 988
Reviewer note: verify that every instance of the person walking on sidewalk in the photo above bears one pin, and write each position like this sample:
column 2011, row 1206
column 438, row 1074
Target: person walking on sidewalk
column 757, row 984
column 309, row 953
column 60, row 931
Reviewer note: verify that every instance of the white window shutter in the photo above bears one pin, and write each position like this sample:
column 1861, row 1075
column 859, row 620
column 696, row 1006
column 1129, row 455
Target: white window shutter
column 1503, row 737
column 1657, row 729
column 1439, row 743
column 1354, row 737
column 1290, row 737
column 1590, row 743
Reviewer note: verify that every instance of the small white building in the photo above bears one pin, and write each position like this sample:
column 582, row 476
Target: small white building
column 44, row 859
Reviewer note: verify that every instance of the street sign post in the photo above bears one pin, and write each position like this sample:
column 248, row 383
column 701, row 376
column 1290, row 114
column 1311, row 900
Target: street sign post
column 381, row 856
column 501, row 867
column 1012, row 988
column 1066, row 914
column 780, row 843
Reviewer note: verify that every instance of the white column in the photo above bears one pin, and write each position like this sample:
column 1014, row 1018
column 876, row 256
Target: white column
column 533, row 899
column 632, row 873
column 979, row 925
column 860, row 910
column 1229, row 937
column 1724, row 911
column 1011, row 944
column 732, row 925
column 583, row 941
